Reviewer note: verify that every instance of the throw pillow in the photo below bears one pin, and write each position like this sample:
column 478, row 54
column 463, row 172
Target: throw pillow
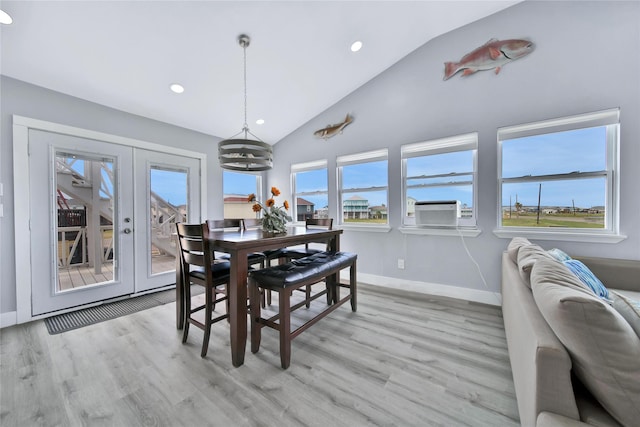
column 629, row 309
column 604, row 350
column 583, row 273
column 514, row 245
column 558, row 254
column 527, row 257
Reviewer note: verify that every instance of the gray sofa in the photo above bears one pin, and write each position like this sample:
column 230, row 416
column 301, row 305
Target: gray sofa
column 548, row 392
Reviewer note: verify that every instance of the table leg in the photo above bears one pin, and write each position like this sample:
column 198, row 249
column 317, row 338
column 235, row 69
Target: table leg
column 238, row 307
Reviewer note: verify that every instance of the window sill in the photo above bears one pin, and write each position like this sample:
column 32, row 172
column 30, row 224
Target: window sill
column 464, row 231
column 367, row 228
column 565, row 236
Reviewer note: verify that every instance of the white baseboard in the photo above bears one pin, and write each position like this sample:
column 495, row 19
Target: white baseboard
column 475, row 295
column 8, row 319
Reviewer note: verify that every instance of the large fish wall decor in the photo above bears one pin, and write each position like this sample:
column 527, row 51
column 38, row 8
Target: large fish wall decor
column 493, row 54
column 333, row 130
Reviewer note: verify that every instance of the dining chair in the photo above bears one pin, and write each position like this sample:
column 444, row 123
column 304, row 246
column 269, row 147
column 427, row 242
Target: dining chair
column 287, row 254
column 236, row 225
column 199, row 268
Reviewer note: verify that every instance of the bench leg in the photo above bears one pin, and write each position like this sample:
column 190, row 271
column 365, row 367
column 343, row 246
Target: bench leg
column 352, row 287
column 256, row 326
column 285, row 327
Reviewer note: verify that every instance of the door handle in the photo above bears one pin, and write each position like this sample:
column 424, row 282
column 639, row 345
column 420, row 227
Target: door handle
column 126, row 231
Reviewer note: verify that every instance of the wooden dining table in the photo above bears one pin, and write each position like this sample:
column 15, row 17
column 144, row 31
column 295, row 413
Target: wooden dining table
column 239, row 244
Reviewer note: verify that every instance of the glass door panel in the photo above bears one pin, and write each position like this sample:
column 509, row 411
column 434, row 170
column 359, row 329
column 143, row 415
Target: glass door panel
column 168, row 197
column 85, row 206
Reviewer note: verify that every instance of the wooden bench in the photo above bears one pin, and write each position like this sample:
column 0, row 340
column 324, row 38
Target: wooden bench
column 284, row 279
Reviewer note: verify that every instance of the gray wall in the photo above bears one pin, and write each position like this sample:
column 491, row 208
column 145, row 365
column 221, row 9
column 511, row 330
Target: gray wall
column 27, row 100
column 587, row 58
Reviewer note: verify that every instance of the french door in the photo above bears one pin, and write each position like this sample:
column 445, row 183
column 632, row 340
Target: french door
column 101, row 218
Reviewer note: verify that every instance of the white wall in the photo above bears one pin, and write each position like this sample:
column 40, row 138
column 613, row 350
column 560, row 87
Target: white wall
column 587, row 58
column 23, row 99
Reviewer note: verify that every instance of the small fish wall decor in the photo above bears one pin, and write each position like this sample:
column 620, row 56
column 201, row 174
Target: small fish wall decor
column 333, row 130
column 493, row 54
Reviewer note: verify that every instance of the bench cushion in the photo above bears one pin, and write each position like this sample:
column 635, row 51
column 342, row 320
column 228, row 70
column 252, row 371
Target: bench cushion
column 303, row 270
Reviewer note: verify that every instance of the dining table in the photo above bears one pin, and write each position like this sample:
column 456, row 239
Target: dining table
column 239, row 244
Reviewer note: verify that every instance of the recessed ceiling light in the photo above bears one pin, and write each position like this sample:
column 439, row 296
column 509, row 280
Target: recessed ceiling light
column 260, row 121
column 356, row 46
column 177, row 88
column 5, row 18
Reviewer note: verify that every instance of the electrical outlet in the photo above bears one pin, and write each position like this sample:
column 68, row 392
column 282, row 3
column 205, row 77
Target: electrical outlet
column 401, row 263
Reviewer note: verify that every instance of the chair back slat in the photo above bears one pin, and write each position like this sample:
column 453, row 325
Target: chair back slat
column 225, row 224
column 326, row 223
column 251, row 223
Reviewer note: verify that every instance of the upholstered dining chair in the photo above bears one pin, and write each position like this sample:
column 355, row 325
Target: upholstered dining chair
column 236, row 225
column 287, row 254
column 199, row 268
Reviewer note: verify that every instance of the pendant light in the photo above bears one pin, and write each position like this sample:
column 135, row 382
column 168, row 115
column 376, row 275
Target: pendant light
column 244, row 154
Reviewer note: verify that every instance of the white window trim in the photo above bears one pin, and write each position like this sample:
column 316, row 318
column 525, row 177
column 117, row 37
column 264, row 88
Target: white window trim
column 611, row 233
column 306, row 167
column 354, row 159
column 464, row 142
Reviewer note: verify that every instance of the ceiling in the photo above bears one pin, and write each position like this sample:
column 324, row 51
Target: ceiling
column 125, row 54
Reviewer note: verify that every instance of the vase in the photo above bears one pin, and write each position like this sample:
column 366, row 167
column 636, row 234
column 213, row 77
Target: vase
column 273, row 225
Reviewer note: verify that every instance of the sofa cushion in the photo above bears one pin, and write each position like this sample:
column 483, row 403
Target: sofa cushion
column 527, row 257
column 514, row 246
column 628, row 308
column 559, row 254
column 588, row 278
column 604, row 349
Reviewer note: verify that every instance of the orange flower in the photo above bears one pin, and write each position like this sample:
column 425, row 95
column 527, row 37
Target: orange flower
column 286, row 204
column 256, row 207
column 251, row 198
column 270, row 202
column 275, row 191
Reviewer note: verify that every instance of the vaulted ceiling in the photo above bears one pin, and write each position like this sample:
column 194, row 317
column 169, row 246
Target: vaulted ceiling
column 125, row 54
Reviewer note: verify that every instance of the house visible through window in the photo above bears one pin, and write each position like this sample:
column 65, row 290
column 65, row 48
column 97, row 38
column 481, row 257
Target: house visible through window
column 310, row 190
column 440, row 170
column 236, row 187
column 363, row 188
column 559, row 174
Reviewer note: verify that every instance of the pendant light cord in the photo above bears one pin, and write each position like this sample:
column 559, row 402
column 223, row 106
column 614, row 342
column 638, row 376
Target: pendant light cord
column 246, row 126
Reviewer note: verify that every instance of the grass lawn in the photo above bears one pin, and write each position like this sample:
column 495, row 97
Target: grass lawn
column 559, row 220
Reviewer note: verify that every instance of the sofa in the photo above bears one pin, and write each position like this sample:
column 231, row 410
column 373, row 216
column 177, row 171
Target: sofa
column 572, row 353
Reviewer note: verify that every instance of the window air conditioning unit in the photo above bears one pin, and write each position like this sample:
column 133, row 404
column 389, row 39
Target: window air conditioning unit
column 437, row 213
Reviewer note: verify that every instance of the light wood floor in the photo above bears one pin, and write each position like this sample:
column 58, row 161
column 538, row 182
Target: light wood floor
column 402, row 359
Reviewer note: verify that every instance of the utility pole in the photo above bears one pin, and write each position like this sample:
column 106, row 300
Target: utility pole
column 539, row 193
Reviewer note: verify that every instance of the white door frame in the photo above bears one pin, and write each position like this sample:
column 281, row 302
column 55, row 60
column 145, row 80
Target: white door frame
column 21, row 126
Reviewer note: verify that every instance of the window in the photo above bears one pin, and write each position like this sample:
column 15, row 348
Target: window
column 236, row 187
column 363, row 183
column 441, row 169
column 310, row 190
column 558, row 175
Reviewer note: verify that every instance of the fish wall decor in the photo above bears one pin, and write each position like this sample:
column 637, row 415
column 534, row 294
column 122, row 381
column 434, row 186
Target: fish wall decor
column 492, row 54
column 333, row 130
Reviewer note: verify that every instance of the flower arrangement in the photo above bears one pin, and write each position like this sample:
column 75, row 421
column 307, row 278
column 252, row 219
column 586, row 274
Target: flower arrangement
column 274, row 217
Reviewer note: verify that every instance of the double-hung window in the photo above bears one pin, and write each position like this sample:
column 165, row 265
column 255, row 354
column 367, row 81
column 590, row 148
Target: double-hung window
column 363, row 188
column 559, row 175
column 310, row 189
column 236, row 188
column 441, row 170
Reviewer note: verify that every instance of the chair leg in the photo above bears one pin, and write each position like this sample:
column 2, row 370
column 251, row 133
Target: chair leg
column 285, row 327
column 187, row 311
column 353, row 288
column 256, row 326
column 307, row 296
column 208, row 311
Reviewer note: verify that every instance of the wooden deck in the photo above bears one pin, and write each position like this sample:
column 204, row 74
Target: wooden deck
column 77, row 277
